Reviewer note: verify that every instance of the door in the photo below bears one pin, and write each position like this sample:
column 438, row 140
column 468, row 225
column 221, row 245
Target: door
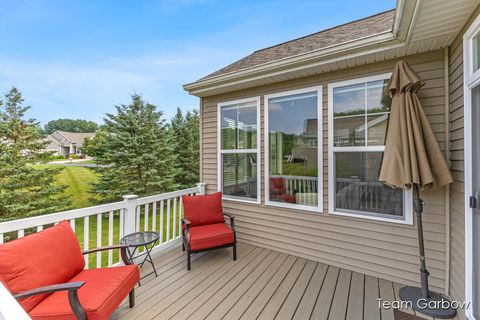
column 471, row 72
column 475, row 202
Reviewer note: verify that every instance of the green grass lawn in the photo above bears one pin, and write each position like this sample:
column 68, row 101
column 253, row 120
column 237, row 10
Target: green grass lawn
column 78, row 181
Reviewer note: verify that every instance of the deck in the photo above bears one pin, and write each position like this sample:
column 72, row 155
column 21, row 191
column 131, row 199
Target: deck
column 261, row 284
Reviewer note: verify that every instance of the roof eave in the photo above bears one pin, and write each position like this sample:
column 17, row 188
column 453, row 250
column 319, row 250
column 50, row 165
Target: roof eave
column 405, row 13
column 203, row 87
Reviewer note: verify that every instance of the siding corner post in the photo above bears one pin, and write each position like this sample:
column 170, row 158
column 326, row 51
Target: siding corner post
column 130, row 202
column 201, row 188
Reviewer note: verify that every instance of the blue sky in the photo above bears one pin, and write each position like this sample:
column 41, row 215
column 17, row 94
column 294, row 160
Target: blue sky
column 77, row 59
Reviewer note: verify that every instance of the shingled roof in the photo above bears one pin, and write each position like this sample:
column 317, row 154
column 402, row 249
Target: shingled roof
column 381, row 22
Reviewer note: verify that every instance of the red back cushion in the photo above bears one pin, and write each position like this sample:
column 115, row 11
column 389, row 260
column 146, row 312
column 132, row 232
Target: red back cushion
column 203, row 210
column 48, row 257
column 278, row 185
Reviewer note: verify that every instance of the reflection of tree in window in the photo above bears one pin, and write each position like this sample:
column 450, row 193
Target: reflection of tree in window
column 293, row 148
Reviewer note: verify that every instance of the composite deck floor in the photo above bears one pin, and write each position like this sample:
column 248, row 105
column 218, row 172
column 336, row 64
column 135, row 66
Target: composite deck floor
column 261, row 284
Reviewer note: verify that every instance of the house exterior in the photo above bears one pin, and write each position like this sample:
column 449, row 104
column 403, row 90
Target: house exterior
column 67, row 143
column 336, row 211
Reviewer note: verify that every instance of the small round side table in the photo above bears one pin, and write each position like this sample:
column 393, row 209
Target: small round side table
column 146, row 239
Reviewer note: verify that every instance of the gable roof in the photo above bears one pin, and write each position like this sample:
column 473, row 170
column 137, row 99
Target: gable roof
column 378, row 23
column 77, row 138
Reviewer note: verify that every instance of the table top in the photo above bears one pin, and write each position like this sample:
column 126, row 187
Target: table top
column 140, row 238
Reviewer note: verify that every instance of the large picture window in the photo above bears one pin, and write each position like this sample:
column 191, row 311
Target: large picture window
column 238, row 146
column 293, row 140
column 358, row 118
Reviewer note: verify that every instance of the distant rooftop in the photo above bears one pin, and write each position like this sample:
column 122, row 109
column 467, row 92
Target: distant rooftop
column 72, row 137
column 381, row 22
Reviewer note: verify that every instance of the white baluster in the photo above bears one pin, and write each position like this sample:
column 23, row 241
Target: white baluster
column 137, row 224
column 174, row 218
column 145, row 228
column 20, row 233
column 72, row 224
column 180, row 215
column 110, row 237
column 154, row 217
column 39, row 228
column 121, row 217
column 1, row 237
column 168, row 220
column 85, row 239
column 161, row 221
column 99, row 239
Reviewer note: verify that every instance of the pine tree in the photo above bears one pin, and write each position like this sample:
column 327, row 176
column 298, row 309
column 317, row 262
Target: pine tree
column 25, row 189
column 137, row 152
column 185, row 140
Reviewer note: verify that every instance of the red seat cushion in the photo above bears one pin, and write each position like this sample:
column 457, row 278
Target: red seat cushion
column 203, row 210
column 48, row 257
column 102, row 293
column 210, row 236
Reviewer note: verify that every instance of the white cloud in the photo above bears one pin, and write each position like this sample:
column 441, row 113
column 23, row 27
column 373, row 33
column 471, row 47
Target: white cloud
column 87, row 90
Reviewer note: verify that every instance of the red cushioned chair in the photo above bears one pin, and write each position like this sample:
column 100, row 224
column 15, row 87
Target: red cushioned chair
column 278, row 191
column 45, row 272
column 204, row 228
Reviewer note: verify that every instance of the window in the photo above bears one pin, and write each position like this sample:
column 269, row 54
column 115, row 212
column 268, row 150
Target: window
column 293, row 129
column 358, row 119
column 238, row 146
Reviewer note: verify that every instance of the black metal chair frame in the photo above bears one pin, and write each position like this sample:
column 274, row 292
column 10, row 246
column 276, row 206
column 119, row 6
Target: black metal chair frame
column 72, row 287
column 186, row 240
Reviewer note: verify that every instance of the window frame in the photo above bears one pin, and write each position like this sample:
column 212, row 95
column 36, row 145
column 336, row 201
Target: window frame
column 220, row 151
column 266, row 98
column 407, row 217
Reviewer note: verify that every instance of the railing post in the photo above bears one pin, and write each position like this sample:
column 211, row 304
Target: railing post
column 201, row 188
column 129, row 214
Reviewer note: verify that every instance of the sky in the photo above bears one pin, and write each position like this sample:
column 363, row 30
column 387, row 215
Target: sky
column 78, row 59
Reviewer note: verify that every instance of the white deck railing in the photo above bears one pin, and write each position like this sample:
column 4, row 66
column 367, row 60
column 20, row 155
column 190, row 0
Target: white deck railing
column 106, row 224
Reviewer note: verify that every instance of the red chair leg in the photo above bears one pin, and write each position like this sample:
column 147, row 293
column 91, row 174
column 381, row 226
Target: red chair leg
column 235, row 252
column 189, row 266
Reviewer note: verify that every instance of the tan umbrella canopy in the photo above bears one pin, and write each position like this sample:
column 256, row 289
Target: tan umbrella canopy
column 412, row 155
column 412, row 159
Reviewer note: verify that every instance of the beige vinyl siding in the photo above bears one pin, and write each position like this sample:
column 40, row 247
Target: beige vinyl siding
column 457, row 200
column 457, row 194
column 379, row 249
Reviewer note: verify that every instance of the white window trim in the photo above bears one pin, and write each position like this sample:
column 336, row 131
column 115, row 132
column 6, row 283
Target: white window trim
column 319, row 207
column 471, row 80
column 220, row 151
column 407, row 195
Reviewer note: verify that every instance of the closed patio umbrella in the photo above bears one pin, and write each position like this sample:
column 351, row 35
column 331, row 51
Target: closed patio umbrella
column 413, row 160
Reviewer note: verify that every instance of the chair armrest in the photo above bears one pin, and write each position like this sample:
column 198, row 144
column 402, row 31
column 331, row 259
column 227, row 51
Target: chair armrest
column 232, row 221
column 71, row 287
column 229, row 215
column 123, row 252
column 186, row 233
column 118, row 246
column 49, row 289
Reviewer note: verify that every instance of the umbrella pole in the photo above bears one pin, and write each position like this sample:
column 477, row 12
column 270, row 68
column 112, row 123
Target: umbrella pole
column 418, row 203
column 421, row 299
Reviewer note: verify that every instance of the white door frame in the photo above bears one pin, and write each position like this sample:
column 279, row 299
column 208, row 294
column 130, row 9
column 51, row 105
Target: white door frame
column 471, row 80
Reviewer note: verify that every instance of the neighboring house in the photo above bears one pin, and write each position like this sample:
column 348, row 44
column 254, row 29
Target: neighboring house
column 338, row 76
column 67, row 143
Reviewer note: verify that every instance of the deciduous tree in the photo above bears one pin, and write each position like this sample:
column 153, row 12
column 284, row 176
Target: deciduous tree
column 70, row 125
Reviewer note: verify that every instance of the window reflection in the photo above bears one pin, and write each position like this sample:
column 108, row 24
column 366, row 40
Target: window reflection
column 293, row 149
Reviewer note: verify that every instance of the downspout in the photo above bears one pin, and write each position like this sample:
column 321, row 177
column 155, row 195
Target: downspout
column 446, row 60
